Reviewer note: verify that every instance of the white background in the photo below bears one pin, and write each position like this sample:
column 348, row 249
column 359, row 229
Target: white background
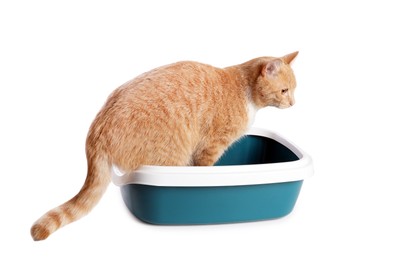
column 59, row 62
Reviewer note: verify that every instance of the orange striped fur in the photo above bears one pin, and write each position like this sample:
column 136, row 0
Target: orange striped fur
column 186, row 113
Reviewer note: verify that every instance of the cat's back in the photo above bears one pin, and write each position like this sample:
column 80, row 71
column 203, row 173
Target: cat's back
column 184, row 84
column 179, row 74
column 174, row 92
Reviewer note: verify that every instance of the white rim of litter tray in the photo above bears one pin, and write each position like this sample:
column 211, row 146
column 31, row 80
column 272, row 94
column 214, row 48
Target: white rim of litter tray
column 201, row 176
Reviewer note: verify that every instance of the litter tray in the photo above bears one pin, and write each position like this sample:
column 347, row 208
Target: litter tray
column 258, row 178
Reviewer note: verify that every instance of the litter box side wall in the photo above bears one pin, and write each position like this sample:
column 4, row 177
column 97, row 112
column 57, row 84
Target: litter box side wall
column 210, row 205
column 255, row 149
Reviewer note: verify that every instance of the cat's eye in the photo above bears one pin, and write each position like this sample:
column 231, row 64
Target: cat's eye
column 284, row 91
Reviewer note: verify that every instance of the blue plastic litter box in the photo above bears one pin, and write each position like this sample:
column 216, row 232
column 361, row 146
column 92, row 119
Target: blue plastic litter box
column 258, row 178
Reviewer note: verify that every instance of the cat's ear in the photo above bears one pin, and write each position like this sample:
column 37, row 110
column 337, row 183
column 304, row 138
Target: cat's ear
column 288, row 59
column 271, row 68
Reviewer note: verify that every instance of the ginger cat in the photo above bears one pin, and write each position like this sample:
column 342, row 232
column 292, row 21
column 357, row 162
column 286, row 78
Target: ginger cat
column 186, row 113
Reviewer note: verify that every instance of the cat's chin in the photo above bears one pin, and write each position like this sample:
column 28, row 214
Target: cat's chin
column 283, row 106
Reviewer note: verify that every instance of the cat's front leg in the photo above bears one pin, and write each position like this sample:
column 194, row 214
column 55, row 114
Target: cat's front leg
column 206, row 157
column 209, row 152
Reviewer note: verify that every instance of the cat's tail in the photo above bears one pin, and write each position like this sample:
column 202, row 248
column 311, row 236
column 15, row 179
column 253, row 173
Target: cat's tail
column 96, row 183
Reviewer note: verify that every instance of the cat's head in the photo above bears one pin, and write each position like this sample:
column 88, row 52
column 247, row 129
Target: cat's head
column 275, row 83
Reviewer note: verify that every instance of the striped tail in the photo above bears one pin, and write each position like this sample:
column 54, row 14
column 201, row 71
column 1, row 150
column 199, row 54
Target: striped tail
column 96, row 183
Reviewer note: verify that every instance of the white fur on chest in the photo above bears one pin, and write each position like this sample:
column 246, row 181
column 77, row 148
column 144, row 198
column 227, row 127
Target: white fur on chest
column 251, row 114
